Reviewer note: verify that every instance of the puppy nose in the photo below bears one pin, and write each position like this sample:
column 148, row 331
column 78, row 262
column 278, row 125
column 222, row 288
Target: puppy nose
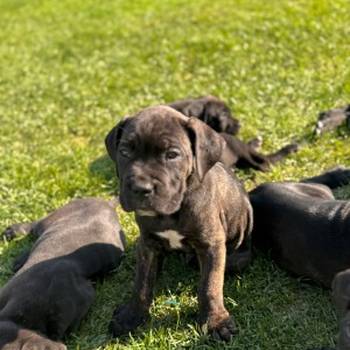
column 142, row 189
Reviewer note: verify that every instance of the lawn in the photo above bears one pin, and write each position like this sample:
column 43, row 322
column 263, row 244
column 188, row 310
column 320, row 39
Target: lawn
column 70, row 69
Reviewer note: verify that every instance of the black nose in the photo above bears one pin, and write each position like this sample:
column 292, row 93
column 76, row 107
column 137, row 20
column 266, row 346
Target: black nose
column 143, row 189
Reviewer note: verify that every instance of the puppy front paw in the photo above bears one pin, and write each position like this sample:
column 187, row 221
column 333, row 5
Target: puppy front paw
column 221, row 327
column 125, row 319
column 11, row 232
column 291, row 148
column 15, row 230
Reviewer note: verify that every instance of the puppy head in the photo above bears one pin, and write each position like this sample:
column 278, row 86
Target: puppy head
column 155, row 153
column 218, row 116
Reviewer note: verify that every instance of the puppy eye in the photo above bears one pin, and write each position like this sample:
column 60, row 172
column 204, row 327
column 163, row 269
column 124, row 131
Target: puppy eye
column 125, row 152
column 172, row 154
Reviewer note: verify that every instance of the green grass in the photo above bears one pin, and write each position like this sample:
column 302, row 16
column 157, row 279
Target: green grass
column 70, row 69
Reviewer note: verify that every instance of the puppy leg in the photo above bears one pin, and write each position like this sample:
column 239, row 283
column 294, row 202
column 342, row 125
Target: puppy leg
column 341, row 298
column 278, row 156
column 253, row 160
column 70, row 298
column 16, row 230
column 331, row 119
column 238, row 259
column 131, row 315
column 213, row 315
column 256, row 143
column 333, row 178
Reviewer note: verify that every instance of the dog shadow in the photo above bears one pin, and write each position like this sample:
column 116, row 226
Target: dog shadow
column 10, row 251
column 103, row 167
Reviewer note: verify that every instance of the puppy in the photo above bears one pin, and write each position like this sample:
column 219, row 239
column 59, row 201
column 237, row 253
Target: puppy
column 333, row 118
column 304, row 227
column 307, row 232
column 183, row 199
column 211, row 110
column 237, row 153
column 245, row 155
column 51, row 291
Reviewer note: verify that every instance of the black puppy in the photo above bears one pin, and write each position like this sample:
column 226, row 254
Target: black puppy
column 307, row 232
column 184, row 199
column 341, row 298
column 333, row 118
column 306, row 229
column 245, row 155
column 51, row 290
column 218, row 116
column 211, row 110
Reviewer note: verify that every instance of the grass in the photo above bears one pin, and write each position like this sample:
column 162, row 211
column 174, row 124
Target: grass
column 70, row 69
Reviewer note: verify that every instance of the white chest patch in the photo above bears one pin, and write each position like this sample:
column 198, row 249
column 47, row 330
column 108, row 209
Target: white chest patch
column 173, row 237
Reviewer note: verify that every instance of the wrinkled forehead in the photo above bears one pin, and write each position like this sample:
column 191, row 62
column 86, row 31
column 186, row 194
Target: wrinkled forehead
column 159, row 127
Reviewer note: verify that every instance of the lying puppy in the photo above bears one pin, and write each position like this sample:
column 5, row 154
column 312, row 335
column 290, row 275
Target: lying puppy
column 306, row 229
column 245, row 155
column 332, row 119
column 341, row 298
column 211, row 110
column 307, row 232
column 217, row 115
column 183, row 198
column 51, row 290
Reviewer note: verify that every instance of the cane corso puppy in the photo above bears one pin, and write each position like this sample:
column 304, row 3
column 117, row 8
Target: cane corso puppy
column 307, row 232
column 218, row 116
column 51, row 290
column 333, row 118
column 183, row 198
column 245, row 155
column 341, row 298
column 304, row 227
column 211, row 110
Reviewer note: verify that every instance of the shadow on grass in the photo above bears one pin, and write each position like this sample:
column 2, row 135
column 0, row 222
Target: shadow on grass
column 103, row 167
column 175, row 308
column 9, row 252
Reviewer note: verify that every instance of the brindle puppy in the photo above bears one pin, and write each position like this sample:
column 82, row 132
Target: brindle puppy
column 183, row 198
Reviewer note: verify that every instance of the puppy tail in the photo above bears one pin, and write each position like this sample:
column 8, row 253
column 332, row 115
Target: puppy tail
column 333, row 178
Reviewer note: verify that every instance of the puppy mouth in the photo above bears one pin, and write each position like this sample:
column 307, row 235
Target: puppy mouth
column 149, row 207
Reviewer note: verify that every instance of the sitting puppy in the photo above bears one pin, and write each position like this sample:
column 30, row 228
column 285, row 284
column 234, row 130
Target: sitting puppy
column 51, row 290
column 183, row 198
column 306, row 229
column 217, row 115
column 211, row 110
column 332, row 119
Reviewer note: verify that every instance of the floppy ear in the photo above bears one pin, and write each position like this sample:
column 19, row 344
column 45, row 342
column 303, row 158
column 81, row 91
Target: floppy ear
column 113, row 137
column 194, row 109
column 207, row 146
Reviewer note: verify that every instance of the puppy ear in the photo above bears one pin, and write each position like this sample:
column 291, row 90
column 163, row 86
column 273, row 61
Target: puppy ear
column 207, row 146
column 113, row 137
column 194, row 109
